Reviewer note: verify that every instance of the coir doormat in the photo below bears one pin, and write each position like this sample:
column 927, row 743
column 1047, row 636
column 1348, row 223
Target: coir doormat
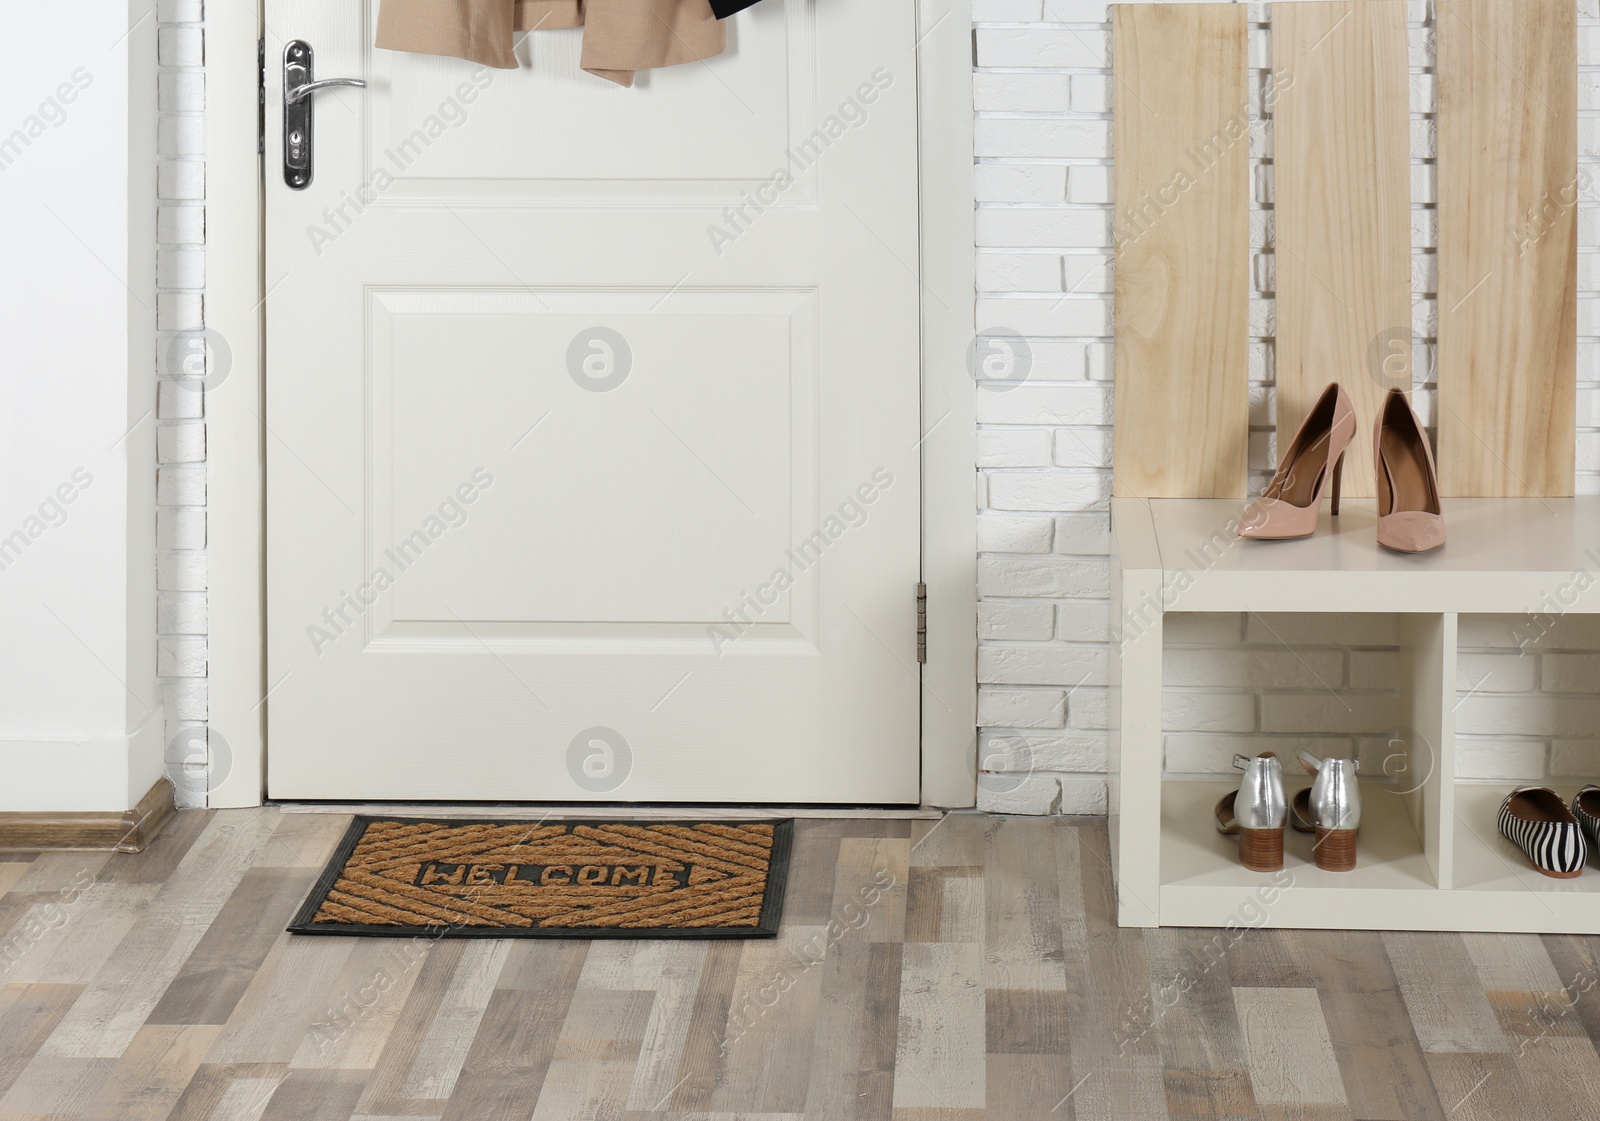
column 552, row 879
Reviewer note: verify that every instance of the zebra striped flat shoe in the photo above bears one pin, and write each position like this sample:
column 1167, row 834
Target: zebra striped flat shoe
column 1537, row 821
column 1586, row 808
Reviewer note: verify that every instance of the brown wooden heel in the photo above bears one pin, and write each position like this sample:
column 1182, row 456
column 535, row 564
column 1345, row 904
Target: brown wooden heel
column 1335, row 850
column 1261, row 850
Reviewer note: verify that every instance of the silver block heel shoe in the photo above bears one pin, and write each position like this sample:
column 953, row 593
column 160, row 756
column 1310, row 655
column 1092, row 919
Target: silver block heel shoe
column 1256, row 812
column 1330, row 808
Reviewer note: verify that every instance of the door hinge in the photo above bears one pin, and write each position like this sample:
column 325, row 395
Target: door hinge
column 922, row 624
column 261, row 96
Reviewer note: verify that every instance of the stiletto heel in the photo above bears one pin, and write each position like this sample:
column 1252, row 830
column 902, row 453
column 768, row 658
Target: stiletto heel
column 1338, row 479
column 1290, row 504
column 1410, row 519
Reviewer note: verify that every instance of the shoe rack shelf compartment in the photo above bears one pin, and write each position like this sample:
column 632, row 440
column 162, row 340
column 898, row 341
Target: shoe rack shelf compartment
column 1430, row 855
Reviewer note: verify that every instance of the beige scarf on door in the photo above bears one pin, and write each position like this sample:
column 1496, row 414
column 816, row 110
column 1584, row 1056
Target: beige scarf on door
column 619, row 37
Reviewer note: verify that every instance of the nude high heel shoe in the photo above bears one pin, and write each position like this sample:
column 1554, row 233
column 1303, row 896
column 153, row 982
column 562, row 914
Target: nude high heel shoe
column 1410, row 518
column 1290, row 504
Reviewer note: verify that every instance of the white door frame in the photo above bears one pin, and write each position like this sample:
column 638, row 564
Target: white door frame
column 236, row 430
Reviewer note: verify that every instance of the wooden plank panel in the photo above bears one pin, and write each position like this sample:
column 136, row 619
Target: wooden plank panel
column 601, row 1027
column 303, row 840
column 809, row 895
column 1182, row 137
column 286, row 1001
column 51, row 1088
column 76, row 933
column 766, row 1051
column 28, row 1014
column 1443, row 994
column 963, row 910
column 1217, row 1094
column 700, row 1052
column 851, row 1075
column 939, row 1060
column 320, row 1095
column 1115, row 1051
column 219, row 1091
column 510, row 1054
column 455, row 1022
column 1027, row 1022
column 672, row 972
column 229, row 955
column 577, row 1089
column 436, row 977
column 1384, row 1070
column 1512, row 963
column 924, row 904
column 1562, row 1075
column 1029, row 1087
column 153, row 1073
column 1508, row 166
column 851, row 1053
column 955, row 840
column 1482, row 1087
column 127, row 989
column 1022, row 942
column 1290, row 1053
column 1573, row 956
column 1342, row 189
column 364, row 1003
column 1267, row 960
column 1198, row 1032
column 10, row 872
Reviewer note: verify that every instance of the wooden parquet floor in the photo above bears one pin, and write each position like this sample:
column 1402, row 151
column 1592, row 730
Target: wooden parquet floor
column 930, row 970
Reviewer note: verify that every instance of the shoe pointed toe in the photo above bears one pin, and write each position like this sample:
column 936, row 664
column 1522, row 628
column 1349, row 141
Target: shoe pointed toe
column 1268, row 519
column 1411, row 531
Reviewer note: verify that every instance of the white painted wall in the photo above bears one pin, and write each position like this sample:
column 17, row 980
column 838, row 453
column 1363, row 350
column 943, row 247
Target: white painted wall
column 80, row 715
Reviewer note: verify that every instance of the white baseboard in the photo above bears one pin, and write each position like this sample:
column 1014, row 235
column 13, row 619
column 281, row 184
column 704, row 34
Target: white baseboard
column 74, row 776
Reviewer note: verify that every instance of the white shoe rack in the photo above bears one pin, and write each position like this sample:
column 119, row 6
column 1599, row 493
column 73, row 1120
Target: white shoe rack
column 1430, row 856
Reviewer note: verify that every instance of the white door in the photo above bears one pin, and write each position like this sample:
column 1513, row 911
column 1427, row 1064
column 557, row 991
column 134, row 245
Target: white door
column 592, row 419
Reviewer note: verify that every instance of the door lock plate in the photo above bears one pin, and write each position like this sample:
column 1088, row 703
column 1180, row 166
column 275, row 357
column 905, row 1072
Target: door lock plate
column 300, row 84
column 297, row 116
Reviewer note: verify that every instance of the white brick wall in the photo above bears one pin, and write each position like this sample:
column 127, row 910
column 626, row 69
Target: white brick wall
column 1043, row 92
column 180, row 411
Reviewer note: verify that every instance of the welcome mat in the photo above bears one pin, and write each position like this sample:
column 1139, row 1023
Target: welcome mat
column 552, row 879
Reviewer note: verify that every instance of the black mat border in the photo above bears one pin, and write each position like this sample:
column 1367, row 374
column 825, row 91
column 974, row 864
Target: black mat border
column 766, row 926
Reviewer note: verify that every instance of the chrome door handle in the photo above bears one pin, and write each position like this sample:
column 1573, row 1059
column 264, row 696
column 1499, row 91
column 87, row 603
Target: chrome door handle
column 300, row 93
column 299, row 118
